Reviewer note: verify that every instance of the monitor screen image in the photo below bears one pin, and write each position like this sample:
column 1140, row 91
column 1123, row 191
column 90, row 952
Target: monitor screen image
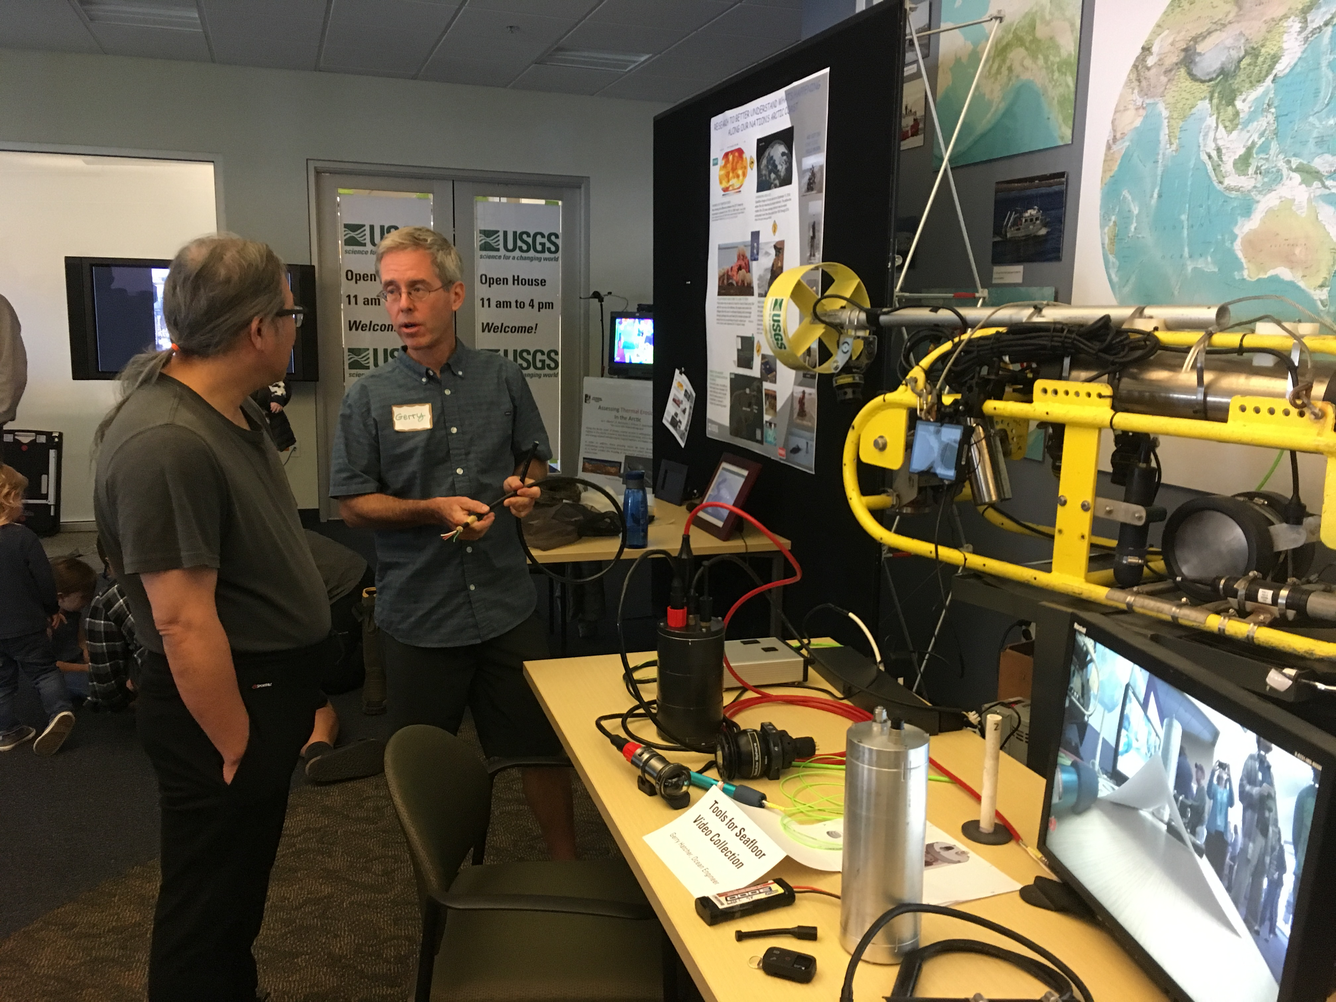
column 633, row 340
column 1191, row 835
column 727, row 483
column 127, row 308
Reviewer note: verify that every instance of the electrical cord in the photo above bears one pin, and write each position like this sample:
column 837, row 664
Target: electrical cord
column 621, row 521
column 876, row 651
column 847, row 990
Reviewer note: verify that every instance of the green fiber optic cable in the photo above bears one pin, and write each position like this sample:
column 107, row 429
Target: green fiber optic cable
column 1272, row 470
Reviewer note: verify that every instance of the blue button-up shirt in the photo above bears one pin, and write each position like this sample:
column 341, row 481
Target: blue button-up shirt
column 430, row 593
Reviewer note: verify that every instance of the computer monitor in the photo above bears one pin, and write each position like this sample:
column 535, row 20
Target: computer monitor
column 115, row 312
column 1218, row 882
column 631, row 345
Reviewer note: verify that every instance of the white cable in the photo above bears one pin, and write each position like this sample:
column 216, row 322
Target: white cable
column 876, row 651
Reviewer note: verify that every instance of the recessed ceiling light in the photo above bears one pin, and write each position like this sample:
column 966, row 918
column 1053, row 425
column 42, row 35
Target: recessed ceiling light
column 590, row 59
column 177, row 15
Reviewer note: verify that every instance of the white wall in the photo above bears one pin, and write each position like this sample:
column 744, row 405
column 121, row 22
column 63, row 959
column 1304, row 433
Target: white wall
column 54, row 205
column 260, row 127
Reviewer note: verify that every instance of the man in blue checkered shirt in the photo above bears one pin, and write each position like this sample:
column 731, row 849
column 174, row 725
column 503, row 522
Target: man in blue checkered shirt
column 422, row 444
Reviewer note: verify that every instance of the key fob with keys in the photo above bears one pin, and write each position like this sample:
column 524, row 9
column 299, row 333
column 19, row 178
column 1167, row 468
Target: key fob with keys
column 789, row 964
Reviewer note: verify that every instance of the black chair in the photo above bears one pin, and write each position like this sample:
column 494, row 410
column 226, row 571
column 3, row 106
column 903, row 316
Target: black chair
column 511, row 931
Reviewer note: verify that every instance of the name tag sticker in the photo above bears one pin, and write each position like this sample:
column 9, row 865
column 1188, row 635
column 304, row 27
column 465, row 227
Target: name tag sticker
column 412, row 417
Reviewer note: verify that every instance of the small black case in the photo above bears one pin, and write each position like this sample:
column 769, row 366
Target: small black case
column 788, row 964
column 716, row 908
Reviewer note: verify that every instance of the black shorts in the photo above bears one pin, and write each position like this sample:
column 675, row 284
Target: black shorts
column 433, row 685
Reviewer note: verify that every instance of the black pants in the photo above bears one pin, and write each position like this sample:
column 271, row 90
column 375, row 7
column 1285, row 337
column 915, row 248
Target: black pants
column 219, row 840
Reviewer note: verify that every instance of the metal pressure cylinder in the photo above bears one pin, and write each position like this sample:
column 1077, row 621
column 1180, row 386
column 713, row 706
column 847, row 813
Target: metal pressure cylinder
column 885, row 821
column 691, row 682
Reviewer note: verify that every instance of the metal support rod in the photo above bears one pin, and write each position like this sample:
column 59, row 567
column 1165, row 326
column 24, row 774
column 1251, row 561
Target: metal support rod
column 1192, row 318
column 955, row 27
column 946, row 157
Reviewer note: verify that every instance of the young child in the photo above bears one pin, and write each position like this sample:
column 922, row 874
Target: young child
column 76, row 584
column 28, row 611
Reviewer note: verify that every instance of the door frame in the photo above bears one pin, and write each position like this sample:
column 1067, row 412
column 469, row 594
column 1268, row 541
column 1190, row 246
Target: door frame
column 329, row 390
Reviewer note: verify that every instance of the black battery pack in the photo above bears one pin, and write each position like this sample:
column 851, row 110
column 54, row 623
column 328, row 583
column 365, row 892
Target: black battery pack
column 762, row 897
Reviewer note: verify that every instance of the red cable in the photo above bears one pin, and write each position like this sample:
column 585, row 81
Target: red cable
column 846, row 710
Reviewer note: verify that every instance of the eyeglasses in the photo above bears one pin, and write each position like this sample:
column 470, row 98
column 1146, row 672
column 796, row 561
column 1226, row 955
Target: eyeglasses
column 297, row 313
column 416, row 292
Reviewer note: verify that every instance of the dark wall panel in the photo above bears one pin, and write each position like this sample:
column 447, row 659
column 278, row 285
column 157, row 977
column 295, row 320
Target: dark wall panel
column 864, row 54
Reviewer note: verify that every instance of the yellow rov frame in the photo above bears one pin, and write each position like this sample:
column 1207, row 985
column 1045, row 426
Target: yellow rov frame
column 879, row 433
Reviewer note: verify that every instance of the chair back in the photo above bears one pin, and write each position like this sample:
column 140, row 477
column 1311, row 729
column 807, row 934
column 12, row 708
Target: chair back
column 442, row 798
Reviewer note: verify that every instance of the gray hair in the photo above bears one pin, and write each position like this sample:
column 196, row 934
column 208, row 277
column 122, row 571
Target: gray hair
column 215, row 287
column 444, row 257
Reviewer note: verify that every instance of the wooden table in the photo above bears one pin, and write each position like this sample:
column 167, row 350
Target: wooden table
column 665, row 533
column 574, row 690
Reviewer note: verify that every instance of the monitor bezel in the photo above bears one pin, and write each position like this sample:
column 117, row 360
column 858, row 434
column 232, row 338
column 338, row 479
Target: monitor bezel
column 84, row 364
column 1309, row 963
column 630, row 370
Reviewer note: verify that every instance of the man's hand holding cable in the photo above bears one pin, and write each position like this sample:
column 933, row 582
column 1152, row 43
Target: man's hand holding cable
column 523, row 501
column 455, row 511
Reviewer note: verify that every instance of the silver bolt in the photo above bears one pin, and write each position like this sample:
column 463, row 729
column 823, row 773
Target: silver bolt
column 1085, row 505
column 879, row 443
column 1062, row 500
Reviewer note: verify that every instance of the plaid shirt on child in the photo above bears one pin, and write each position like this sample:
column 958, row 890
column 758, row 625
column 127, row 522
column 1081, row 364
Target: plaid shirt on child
column 112, row 650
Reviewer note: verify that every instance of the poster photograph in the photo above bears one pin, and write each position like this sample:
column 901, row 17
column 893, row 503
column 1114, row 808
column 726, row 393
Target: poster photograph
column 767, row 174
column 1028, row 214
column 913, row 114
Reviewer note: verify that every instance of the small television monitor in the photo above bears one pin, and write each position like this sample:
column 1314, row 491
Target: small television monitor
column 115, row 312
column 631, row 345
column 1221, row 887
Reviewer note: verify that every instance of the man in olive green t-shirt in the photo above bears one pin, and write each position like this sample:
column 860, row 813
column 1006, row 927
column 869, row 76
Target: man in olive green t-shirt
column 201, row 528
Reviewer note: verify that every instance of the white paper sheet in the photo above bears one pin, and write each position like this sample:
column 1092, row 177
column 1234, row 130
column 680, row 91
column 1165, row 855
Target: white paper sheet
column 714, row 845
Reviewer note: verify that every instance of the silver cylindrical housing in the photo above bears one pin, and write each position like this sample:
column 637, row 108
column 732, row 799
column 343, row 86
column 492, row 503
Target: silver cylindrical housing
column 1176, row 318
column 885, row 822
column 989, row 480
column 1160, row 386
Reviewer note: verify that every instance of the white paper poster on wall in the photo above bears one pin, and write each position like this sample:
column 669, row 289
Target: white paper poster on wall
column 517, row 284
column 767, row 174
column 1208, row 147
column 369, row 340
column 617, row 431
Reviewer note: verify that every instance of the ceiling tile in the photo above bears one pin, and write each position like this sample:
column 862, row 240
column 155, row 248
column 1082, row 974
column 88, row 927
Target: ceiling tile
column 573, row 9
column 565, row 79
column 152, row 43
column 263, row 33
column 649, row 89
column 720, row 55
column 390, row 36
column 41, row 24
column 481, row 73
column 480, row 35
column 608, row 37
column 760, row 22
column 686, row 15
column 795, row 4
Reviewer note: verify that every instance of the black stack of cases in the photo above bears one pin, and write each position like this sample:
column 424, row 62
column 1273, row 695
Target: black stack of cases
column 37, row 455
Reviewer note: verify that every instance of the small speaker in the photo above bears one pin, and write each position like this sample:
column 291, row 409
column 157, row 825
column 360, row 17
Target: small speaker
column 672, row 483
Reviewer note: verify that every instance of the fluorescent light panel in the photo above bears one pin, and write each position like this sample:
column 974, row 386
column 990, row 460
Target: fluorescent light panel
column 176, row 15
column 592, row 59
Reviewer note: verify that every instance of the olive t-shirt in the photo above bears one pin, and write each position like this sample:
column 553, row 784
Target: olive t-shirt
column 179, row 486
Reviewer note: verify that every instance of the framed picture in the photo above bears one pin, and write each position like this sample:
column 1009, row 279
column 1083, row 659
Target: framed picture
column 732, row 482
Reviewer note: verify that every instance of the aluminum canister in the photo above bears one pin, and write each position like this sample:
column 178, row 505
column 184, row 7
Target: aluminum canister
column 885, row 821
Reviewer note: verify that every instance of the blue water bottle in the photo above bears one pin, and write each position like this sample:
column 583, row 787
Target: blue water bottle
column 635, row 509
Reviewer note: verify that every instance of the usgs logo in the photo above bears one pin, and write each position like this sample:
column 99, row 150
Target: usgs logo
column 532, row 359
column 519, row 242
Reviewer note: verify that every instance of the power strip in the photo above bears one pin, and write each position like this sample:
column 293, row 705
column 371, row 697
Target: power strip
column 857, row 677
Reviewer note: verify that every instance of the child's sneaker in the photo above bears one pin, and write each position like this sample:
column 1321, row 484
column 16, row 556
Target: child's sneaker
column 18, row 736
column 50, row 740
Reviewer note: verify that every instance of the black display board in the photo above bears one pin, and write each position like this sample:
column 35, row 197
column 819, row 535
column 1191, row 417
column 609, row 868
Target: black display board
column 865, row 55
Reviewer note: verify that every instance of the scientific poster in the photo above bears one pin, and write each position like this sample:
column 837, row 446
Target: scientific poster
column 767, row 176
column 369, row 340
column 517, row 282
column 1208, row 153
column 617, row 431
